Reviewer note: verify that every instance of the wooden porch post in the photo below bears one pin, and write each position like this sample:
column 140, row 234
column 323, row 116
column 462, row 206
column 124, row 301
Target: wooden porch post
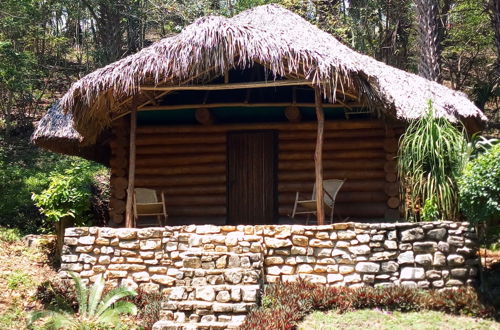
column 318, row 157
column 129, row 215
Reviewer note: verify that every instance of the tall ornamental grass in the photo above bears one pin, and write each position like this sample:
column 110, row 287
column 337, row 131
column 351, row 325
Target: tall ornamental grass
column 431, row 157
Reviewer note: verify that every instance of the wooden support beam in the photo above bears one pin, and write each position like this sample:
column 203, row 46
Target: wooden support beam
column 318, row 158
column 129, row 216
column 204, row 116
column 243, row 104
column 226, row 86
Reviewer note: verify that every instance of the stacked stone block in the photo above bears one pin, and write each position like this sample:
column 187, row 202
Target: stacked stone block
column 212, row 274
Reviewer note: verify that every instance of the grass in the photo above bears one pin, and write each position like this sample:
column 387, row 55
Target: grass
column 382, row 320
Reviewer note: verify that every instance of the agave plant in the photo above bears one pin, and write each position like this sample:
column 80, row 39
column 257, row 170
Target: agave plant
column 94, row 310
column 431, row 158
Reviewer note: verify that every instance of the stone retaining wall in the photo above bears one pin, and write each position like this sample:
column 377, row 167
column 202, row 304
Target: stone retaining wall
column 223, row 265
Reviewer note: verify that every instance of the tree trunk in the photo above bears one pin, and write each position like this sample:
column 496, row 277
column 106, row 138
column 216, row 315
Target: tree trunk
column 494, row 9
column 429, row 40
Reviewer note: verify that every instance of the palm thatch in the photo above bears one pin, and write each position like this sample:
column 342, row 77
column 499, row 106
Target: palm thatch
column 286, row 44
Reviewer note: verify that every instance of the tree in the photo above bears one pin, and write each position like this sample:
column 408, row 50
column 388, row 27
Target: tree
column 429, row 39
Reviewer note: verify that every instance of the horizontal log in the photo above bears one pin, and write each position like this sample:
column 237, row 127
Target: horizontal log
column 333, row 164
column 118, row 172
column 339, row 154
column 204, row 116
column 330, row 144
column 195, row 169
column 391, row 189
column 193, row 211
column 202, row 200
column 331, row 134
column 117, row 205
column 391, row 177
column 392, row 214
column 118, row 193
column 193, row 190
column 337, row 174
column 391, row 145
column 349, row 185
column 175, row 160
column 120, row 163
column 181, row 180
column 119, row 183
column 393, row 202
column 391, row 166
column 343, row 197
column 293, row 114
column 184, row 149
column 329, row 125
column 117, row 218
column 353, row 210
column 169, row 139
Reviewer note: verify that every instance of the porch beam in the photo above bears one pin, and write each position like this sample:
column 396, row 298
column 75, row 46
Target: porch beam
column 227, row 86
column 318, row 157
column 248, row 105
column 129, row 216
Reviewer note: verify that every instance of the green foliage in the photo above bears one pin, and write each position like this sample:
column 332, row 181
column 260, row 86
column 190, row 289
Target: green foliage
column 480, row 187
column 149, row 307
column 94, row 310
column 18, row 279
column 288, row 303
column 68, row 194
column 9, row 235
column 430, row 211
column 431, row 157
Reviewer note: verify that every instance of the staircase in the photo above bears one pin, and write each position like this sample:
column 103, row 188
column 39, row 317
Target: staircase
column 214, row 290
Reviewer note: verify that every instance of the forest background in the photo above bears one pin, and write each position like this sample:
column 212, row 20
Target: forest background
column 45, row 45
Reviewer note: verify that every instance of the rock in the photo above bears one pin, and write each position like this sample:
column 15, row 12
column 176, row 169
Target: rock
column 133, row 245
column 223, row 296
column 413, row 234
column 390, row 266
column 235, row 294
column 319, row 279
column 163, row 279
column 125, row 233
column 443, row 247
column 233, row 276
column 233, row 262
column 363, row 238
column 391, row 245
column 177, row 293
column 249, row 294
column 150, row 244
column 191, row 262
column 221, row 262
column 320, row 243
column 274, row 261
column 454, row 283
column 423, row 259
column 406, row 257
column 457, row 241
column 438, row 284
column 86, row 240
column 436, row 234
column 433, row 274
column 304, row 268
column 298, row 250
column 69, row 258
column 322, row 252
column 206, row 293
column 346, row 269
column 353, row 278
column 300, row 240
column 346, row 235
column 455, row 260
column 367, row 267
column 459, row 272
column 331, row 278
column 424, row 247
column 276, row 243
column 439, row 259
column 412, row 273
column 359, row 249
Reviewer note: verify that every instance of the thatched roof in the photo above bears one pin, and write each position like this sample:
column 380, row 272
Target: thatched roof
column 270, row 35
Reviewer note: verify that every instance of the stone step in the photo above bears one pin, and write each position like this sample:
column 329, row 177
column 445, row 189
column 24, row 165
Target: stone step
column 219, row 260
column 171, row 325
column 202, row 277
column 211, row 306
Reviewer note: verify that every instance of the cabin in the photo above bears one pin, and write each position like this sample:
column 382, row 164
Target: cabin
column 232, row 117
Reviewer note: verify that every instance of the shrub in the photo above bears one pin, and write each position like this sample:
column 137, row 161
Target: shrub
column 288, row 303
column 149, row 307
column 480, row 187
column 10, row 235
column 68, row 194
column 94, row 310
column 431, row 157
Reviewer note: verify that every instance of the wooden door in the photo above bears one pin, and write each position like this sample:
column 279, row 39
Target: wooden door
column 251, row 177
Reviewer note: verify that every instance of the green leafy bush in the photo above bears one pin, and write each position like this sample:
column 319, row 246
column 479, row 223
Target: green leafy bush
column 431, row 157
column 94, row 310
column 288, row 303
column 480, row 187
column 68, row 194
column 10, row 235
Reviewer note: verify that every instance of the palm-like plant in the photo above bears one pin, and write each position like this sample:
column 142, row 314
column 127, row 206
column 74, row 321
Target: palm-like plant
column 432, row 154
column 94, row 311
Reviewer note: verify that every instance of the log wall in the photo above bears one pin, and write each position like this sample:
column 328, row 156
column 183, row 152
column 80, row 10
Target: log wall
column 189, row 165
